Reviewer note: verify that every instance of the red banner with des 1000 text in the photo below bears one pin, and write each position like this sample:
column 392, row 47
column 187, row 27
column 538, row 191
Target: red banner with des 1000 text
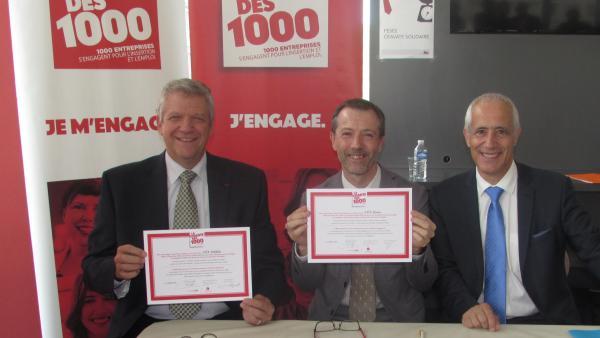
column 105, row 34
column 277, row 70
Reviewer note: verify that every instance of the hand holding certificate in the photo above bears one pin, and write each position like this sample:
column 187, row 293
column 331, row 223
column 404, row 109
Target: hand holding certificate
column 198, row 265
column 365, row 225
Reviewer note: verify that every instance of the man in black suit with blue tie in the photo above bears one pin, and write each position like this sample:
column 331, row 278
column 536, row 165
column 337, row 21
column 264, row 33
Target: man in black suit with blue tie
column 144, row 196
column 502, row 230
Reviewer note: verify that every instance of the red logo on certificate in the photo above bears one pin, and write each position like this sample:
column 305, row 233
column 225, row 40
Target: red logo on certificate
column 196, row 239
column 359, row 199
column 105, row 34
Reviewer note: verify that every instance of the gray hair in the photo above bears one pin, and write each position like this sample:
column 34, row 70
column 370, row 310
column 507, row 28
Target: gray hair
column 187, row 87
column 493, row 97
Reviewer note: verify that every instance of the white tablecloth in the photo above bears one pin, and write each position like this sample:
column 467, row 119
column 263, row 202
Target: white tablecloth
column 298, row 328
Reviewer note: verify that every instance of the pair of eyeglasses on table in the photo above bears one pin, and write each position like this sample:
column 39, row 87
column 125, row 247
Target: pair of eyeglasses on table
column 344, row 325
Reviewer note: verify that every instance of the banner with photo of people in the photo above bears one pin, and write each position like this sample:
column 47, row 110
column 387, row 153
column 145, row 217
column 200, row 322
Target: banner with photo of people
column 88, row 76
column 277, row 70
column 73, row 203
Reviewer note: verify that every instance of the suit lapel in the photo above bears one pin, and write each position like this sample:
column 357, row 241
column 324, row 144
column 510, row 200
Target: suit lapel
column 218, row 191
column 334, row 182
column 388, row 179
column 158, row 195
column 525, row 198
column 471, row 233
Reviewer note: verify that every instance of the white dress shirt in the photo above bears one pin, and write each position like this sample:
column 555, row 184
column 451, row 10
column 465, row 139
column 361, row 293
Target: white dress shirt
column 199, row 187
column 518, row 302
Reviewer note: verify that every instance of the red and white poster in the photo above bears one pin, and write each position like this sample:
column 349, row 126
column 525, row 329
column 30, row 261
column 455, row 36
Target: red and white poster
column 88, row 75
column 72, row 209
column 284, row 33
column 105, row 34
column 278, row 118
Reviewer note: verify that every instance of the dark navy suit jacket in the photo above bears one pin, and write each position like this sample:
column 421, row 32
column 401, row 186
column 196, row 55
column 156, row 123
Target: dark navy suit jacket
column 549, row 219
column 134, row 198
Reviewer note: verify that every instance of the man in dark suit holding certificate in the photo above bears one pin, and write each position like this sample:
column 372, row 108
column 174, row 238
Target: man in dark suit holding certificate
column 365, row 292
column 503, row 228
column 146, row 196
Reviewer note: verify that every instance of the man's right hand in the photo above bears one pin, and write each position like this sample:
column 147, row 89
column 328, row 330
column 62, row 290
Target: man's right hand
column 129, row 261
column 296, row 228
column 481, row 316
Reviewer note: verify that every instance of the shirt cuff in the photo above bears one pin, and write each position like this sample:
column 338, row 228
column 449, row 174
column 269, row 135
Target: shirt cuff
column 121, row 288
column 419, row 257
column 302, row 259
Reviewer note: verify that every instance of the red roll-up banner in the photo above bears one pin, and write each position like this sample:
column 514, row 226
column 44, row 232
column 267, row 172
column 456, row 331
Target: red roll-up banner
column 277, row 70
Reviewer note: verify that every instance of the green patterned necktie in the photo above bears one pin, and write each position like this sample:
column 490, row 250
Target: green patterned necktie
column 362, row 293
column 186, row 217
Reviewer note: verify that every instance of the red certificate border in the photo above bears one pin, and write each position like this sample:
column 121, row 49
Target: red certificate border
column 245, row 293
column 358, row 256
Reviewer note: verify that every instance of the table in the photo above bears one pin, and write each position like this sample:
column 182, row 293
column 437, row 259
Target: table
column 300, row 328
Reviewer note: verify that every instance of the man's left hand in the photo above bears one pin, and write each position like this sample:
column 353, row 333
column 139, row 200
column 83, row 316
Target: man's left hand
column 258, row 310
column 423, row 231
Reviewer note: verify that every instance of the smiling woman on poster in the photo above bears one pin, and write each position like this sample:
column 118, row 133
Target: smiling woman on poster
column 74, row 205
column 70, row 237
column 91, row 313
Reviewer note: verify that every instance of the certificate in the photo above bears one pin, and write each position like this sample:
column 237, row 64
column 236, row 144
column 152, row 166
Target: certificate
column 364, row 225
column 197, row 265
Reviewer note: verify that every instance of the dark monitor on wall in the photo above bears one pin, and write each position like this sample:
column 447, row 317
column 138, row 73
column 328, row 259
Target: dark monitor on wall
column 525, row 16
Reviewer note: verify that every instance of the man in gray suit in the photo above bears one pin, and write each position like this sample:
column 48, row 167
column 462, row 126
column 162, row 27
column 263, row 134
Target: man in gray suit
column 357, row 135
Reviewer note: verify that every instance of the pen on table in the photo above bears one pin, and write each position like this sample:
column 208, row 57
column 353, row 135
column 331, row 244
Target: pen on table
column 421, row 333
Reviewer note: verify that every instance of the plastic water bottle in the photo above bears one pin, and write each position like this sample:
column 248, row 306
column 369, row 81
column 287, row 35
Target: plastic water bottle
column 420, row 162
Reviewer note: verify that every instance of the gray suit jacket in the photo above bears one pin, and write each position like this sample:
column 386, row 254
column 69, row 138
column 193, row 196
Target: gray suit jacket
column 400, row 286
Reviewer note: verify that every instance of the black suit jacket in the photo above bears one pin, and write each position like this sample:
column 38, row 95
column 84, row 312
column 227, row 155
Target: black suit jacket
column 134, row 198
column 549, row 219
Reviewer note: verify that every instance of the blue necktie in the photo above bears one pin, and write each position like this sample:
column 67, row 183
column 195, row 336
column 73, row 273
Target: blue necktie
column 495, row 256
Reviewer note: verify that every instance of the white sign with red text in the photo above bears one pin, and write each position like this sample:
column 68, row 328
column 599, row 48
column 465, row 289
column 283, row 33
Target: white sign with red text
column 269, row 33
column 406, row 29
